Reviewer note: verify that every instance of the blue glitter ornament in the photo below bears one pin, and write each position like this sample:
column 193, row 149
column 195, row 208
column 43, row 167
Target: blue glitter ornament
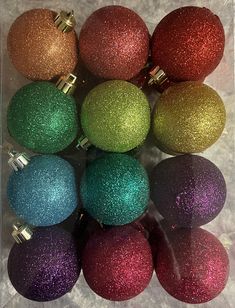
column 43, row 193
column 115, row 189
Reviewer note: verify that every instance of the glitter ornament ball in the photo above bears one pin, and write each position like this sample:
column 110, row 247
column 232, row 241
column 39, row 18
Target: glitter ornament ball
column 42, row 118
column 38, row 49
column 188, row 190
column 188, row 118
column 45, row 267
column 117, row 264
column 115, row 189
column 192, row 265
column 188, row 43
column 44, row 192
column 115, row 116
column 114, row 43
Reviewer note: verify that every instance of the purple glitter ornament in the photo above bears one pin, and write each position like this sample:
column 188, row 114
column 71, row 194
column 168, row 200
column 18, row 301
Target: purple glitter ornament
column 45, row 267
column 188, row 190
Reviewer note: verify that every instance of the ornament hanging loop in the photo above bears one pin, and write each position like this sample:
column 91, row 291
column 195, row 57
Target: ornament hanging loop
column 17, row 160
column 157, row 76
column 64, row 21
column 21, row 232
column 67, row 84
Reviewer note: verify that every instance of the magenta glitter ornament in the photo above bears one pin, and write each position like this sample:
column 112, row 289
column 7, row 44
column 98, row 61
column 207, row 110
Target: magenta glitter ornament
column 192, row 265
column 117, row 263
column 45, row 267
column 188, row 190
column 114, row 43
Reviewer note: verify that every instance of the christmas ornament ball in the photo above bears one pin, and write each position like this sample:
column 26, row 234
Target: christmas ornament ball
column 42, row 118
column 188, row 118
column 188, row 190
column 188, row 43
column 45, row 267
column 115, row 116
column 117, row 264
column 39, row 50
column 114, row 43
column 44, row 192
column 115, row 189
column 192, row 265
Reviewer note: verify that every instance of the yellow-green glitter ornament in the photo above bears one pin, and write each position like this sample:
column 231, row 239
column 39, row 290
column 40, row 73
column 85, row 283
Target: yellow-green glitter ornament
column 188, row 118
column 42, row 118
column 115, row 116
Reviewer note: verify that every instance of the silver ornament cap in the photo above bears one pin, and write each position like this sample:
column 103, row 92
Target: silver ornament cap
column 17, row 160
column 157, row 75
column 83, row 143
column 21, row 232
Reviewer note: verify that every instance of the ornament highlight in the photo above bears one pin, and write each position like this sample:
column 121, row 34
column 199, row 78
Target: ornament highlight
column 114, row 43
column 115, row 116
column 44, row 192
column 117, row 263
column 114, row 189
column 45, row 267
column 42, row 44
column 189, row 117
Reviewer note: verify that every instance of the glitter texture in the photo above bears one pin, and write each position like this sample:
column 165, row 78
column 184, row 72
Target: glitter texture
column 44, row 192
column 42, row 118
column 115, row 116
column 114, row 43
column 37, row 49
column 192, row 265
column 188, row 190
column 117, row 264
column 188, row 43
column 46, row 267
column 115, row 189
column 189, row 117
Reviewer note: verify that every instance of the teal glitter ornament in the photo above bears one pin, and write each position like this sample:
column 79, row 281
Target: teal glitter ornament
column 115, row 189
column 43, row 117
column 115, row 116
column 41, row 190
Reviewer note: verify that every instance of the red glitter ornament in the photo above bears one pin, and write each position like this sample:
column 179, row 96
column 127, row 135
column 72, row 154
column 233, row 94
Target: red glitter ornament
column 192, row 265
column 117, row 264
column 114, row 43
column 188, row 43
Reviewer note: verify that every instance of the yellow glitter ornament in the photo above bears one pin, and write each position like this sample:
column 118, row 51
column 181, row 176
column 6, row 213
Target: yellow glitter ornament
column 188, row 118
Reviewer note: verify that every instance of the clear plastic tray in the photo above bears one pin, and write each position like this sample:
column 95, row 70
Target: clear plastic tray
column 222, row 153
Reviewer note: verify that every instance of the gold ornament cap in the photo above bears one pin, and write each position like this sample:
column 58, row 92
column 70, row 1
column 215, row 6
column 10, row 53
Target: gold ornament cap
column 83, row 143
column 64, row 21
column 157, row 76
column 17, row 160
column 67, row 84
column 21, row 232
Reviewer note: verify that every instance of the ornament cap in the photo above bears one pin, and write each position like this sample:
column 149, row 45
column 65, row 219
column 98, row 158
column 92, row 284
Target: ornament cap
column 67, row 84
column 64, row 21
column 21, row 232
column 17, row 160
column 157, row 76
column 83, row 143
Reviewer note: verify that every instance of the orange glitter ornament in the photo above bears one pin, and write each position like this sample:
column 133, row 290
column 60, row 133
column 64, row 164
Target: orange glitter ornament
column 43, row 45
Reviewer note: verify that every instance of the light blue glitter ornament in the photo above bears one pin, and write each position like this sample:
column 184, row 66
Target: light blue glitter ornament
column 115, row 189
column 44, row 192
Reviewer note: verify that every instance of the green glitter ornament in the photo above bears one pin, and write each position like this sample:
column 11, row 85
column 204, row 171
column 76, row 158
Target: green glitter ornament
column 115, row 116
column 43, row 117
